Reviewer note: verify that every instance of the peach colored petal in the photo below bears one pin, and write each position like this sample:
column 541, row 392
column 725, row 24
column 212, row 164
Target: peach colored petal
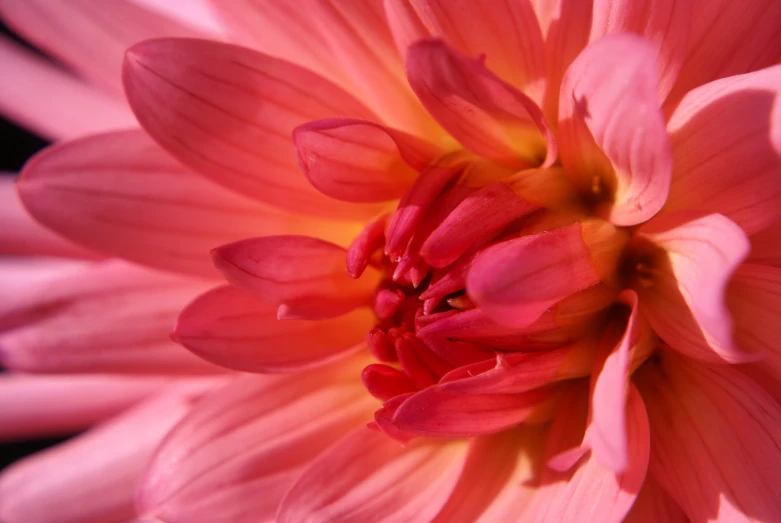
column 729, row 122
column 237, row 453
column 715, row 436
column 76, row 109
column 229, row 328
column 367, row 476
column 613, row 140
column 120, row 193
column 228, row 112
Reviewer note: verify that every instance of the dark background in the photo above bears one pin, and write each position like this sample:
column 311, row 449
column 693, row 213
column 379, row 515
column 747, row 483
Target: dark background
column 16, row 146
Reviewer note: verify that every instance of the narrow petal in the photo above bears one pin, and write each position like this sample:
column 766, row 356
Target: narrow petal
column 35, row 406
column 96, row 472
column 665, row 23
column 303, row 275
column 733, row 121
column 684, row 297
column 471, row 29
column 108, row 317
column 120, row 193
column 230, row 328
column 21, row 235
column 78, row 108
column 89, row 35
column 715, row 436
column 368, row 476
column 358, row 161
column 487, row 115
column 237, row 453
column 516, row 281
column 228, row 112
column 727, row 39
column 612, row 132
column 348, row 43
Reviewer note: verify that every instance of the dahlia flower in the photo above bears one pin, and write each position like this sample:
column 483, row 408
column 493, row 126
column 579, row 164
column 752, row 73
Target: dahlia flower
column 532, row 244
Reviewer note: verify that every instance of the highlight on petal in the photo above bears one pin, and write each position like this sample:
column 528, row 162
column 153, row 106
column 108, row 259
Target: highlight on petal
column 107, row 317
column 96, row 471
column 682, row 289
column 77, row 110
column 305, row 276
column 487, row 115
column 228, row 113
column 611, row 130
column 723, row 124
column 358, row 161
column 516, row 281
column 715, row 435
column 228, row 327
column 89, row 35
column 238, row 451
column 35, row 406
column 368, row 476
column 120, row 193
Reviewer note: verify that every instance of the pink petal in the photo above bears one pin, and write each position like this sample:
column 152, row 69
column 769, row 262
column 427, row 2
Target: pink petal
column 715, row 436
column 516, row 281
column 237, row 453
column 21, row 235
column 591, row 492
column 78, row 109
column 685, row 299
column 229, row 328
column 487, row 115
column 729, row 38
column 91, row 478
column 612, row 131
column 665, row 23
column 89, row 35
column 764, row 246
column 109, row 317
column 367, row 476
column 730, row 122
column 303, row 275
column 346, row 42
column 198, row 14
column 228, row 113
column 358, row 161
column 517, row 57
column 120, row 193
column 654, row 505
column 35, row 406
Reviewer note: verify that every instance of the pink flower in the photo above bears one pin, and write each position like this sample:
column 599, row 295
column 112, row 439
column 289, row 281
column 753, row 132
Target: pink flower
column 535, row 239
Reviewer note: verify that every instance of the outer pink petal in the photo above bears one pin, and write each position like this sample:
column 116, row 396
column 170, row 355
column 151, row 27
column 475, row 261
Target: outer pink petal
column 238, row 452
column 358, row 161
column 715, row 436
column 346, row 42
column 487, row 115
column 21, row 234
column 107, row 317
column 196, row 13
column 516, row 281
column 120, row 193
column 665, row 23
column 90, row 479
column 35, row 406
column 305, row 276
column 654, row 505
column 472, row 29
column 89, row 35
column 764, row 246
column 685, row 301
column 591, row 492
column 729, row 38
column 729, row 122
column 228, row 112
column 611, row 130
column 368, row 476
column 229, row 328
